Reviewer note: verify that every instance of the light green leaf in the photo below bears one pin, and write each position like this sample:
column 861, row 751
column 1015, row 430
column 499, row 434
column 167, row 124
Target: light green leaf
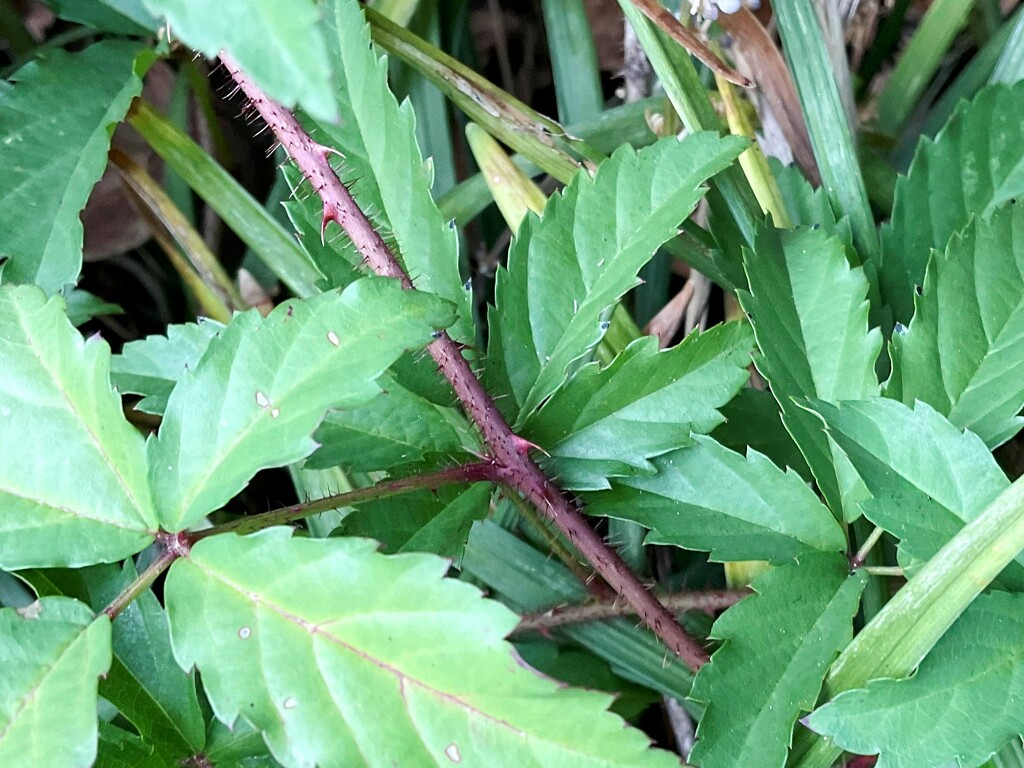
column 568, row 267
column 73, row 487
column 778, row 644
column 806, row 205
column 52, row 653
column 126, row 17
column 708, row 498
column 961, row 352
column 608, row 422
column 53, row 149
column 279, row 45
column 82, row 306
column 264, row 384
column 809, row 311
column 964, row 703
column 975, row 164
column 346, row 657
column 396, row 428
column 383, row 163
column 152, row 366
column 927, row 478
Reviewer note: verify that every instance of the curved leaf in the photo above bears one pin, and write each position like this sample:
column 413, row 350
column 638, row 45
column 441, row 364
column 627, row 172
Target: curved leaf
column 778, row 644
column 566, row 268
column 708, row 498
column 52, row 653
column 264, row 384
column 961, row 354
column 383, row 163
column 346, row 657
column 152, row 366
column 73, row 486
column 809, row 312
column 126, row 17
column 607, row 422
column 975, row 164
column 927, row 478
column 280, row 45
column 53, row 150
column 963, row 704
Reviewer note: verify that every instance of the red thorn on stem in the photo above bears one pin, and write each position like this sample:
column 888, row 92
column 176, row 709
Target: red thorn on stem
column 330, row 214
column 524, row 446
column 326, row 150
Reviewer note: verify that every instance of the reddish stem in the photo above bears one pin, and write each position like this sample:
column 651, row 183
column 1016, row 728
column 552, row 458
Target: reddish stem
column 508, row 452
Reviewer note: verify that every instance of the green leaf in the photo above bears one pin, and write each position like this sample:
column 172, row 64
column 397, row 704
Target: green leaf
column 383, row 163
column 960, row 354
column 806, row 205
column 424, row 521
column 152, row 366
column 396, row 428
column 125, row 17
column 240, row 746
column 608, row 422
column 54, row 149
column 566, row 268
column 737, row 508
column 963, row 704
column 279, row 45
column 778, row 644
column 73, row 487
column 927, row 478
column 82, row 306
column 119, row 748
column 52, row 653
column 975, row 164
column 810, row 316
column 753, row 420
column 374, row 659
column 264, row 384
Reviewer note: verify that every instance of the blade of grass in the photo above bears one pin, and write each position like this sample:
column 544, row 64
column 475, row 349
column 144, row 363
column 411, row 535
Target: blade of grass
column 827, row 125
column 1010, row 66
column 573, row 60
column 238, row 209
column 918, row 64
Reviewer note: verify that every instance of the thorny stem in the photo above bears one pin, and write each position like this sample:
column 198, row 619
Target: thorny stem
column 467, row 473
column 709, row 600
column 509, row 452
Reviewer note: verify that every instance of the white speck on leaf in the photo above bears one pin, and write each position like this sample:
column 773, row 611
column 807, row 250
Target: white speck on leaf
column 452, row 753
column 245, row 633
column 261, row 400
column 275, row 413
column 290, row 703
column 333, row 338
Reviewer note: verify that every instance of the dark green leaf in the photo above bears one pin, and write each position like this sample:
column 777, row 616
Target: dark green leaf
column 54, row 149
column 964, row 703
column 568, row 267
column 778, row 644
column 961, row 352
column 608, row 422
column 737, row 508
column 125, row 17
column 753, row 420
column 263, row 386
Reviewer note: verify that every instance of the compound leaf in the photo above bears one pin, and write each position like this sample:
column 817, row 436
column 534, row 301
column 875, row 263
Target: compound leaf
column 73, row 485
column 975, row 164
column 708, row 498
column 961, row 352
column 964, row 703
column 54, row 149
column 607, row 422
column 346, row 657
column 263, row 386
column 52, row 652
column 778, row 645
column 567, row 267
